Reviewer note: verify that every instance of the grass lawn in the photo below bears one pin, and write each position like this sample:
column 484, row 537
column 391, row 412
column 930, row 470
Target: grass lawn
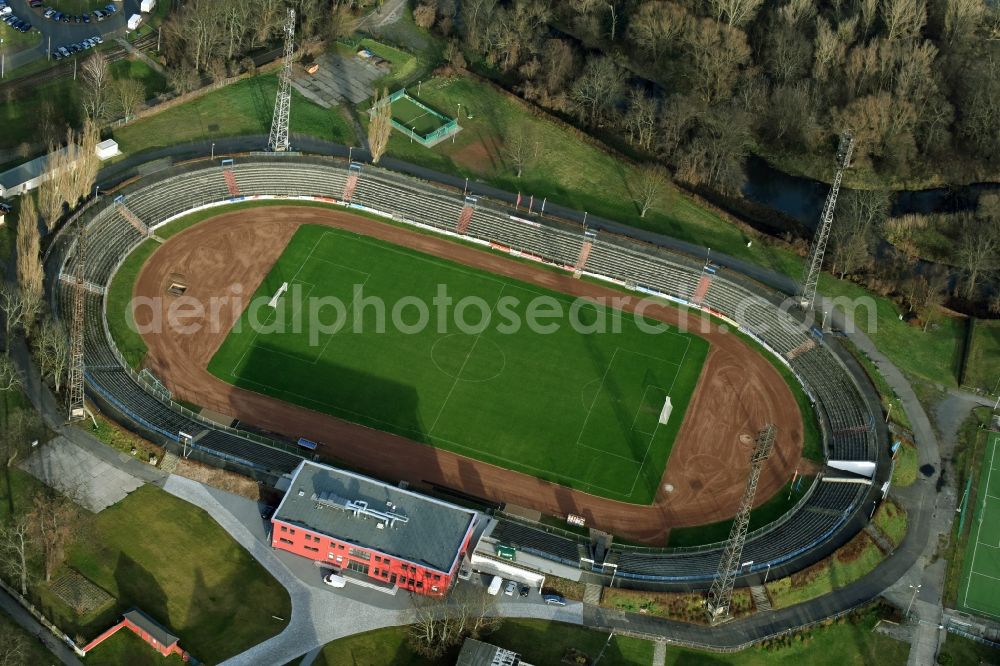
column 934, row 355
column 14, row 41
column 958, row 650
column 849, row 563
column 891, row 519
column 907, row 462
column 153, row 82
column 578, row 409
column 764, row 514
column 127, row 648
column 982, row 365
column 242, row 108
column 537, row 642
column 979, row 591
column 19, row 116
column 170, row 559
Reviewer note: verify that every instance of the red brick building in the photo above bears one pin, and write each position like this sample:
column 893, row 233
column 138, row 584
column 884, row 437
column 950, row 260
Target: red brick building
column 355, row 523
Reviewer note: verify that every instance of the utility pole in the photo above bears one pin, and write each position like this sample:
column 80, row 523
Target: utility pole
column 76, row 367
column 721, row 594
column 278, row 140
column 815, row 265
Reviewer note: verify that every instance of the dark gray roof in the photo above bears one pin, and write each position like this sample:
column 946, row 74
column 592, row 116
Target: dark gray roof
column 350, row 507
column 150, row 626
column 22, row 173
column 477, row 653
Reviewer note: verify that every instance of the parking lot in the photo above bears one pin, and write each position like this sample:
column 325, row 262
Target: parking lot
column 65, row 33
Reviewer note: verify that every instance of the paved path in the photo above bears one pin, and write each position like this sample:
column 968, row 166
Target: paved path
column 930, row 513
column 16, row 612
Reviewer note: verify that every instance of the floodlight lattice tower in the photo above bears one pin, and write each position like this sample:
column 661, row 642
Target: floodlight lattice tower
column 278, row 140
column 721, row 594
column 75, row 380
column 811, row 281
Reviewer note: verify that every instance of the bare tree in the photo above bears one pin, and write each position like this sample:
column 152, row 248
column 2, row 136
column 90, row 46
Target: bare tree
column 10, row 377
column 30, row 273
column 655, row 27
column 95, row 78
column 23, row 427
column 521, row 149
column 903, row 18
column 650, row 183
column 854, row 232
column 52, row 350
column 979, row 246
column 599, row 88
column 933, row 293
column 12, row 307
column 439, row 624
column 13, row 646
column 640, row 119
column 735, row 12
column 129, row 96
column 962, row 18
column 379, row 125
column 717, row 53
column 14, row 548
column 54, row 521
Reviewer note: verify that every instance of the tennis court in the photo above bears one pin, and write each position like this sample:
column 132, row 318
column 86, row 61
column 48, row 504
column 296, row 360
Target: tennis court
column 980, row 589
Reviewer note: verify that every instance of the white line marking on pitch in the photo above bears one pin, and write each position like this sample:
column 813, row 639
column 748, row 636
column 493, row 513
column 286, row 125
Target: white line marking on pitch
column 458, row 375
column 975, row 549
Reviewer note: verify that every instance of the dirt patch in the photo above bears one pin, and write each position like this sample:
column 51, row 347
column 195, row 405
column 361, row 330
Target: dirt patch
column 739, row 390
column 219, row 478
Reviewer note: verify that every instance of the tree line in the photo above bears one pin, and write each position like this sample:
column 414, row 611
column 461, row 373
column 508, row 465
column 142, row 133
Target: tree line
column 698, row 84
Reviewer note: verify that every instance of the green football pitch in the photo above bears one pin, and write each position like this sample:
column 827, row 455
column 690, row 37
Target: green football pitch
column 580, row 408
column 980, row 589
column 410, row 114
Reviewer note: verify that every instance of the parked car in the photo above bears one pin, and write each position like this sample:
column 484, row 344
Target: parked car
column 48, row 13
column 524, row 591
column 98, row 39
column 86, row 18
column 554, row 599
column 5, row 10
column 99, row 15
column 111, row 9
column 334, row 580
column 4, row 208
column 35, row 3
column 511, row 587
column 64, row 51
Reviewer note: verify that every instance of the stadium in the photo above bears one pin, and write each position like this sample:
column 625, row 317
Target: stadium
column 295, row 223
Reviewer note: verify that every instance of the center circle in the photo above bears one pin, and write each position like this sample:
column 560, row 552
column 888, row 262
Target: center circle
column 468, row 358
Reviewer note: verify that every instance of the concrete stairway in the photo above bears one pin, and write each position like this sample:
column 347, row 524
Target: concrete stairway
column 760, row 599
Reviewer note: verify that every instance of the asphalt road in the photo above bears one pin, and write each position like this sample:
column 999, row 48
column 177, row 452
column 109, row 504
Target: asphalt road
column 61, row 34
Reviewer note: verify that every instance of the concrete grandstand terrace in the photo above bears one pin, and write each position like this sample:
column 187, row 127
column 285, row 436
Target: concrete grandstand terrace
column 739, row 389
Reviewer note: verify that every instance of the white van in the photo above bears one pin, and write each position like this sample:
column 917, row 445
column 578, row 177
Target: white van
column 495, row 585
